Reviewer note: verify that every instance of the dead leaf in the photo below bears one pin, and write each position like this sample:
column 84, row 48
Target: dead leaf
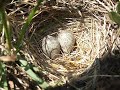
column 8, row 58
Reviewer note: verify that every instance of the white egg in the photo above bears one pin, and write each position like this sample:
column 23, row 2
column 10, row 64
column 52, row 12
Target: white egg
column 51, row 46
column 66, row 40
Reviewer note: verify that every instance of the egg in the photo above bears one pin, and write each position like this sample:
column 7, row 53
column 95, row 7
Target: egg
column 51, row 46
column 66, row 40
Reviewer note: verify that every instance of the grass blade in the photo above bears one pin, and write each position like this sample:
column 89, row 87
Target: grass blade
column 1, row 24
column 24, row 65
column 5, row 26
column 23, row 30
column 3, row 82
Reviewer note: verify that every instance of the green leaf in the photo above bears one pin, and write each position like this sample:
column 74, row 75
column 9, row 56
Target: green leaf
column 25, row 65
column 118, row 8
column 114, row 17
column 3, row 82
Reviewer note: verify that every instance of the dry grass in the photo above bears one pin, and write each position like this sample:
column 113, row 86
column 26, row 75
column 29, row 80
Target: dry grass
column 92, row 28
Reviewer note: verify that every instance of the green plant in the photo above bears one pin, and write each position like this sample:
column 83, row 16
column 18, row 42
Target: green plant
column 7, row 56
column 25, row 26
column 115, row 16
column 3, row 82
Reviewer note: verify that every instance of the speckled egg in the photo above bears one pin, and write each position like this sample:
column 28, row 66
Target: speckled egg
column 51, row 46
column 66, row 40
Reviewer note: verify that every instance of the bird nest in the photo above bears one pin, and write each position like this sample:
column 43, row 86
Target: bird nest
column 88, row 21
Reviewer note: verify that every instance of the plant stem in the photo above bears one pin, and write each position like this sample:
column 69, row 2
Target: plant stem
column 5, row 26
